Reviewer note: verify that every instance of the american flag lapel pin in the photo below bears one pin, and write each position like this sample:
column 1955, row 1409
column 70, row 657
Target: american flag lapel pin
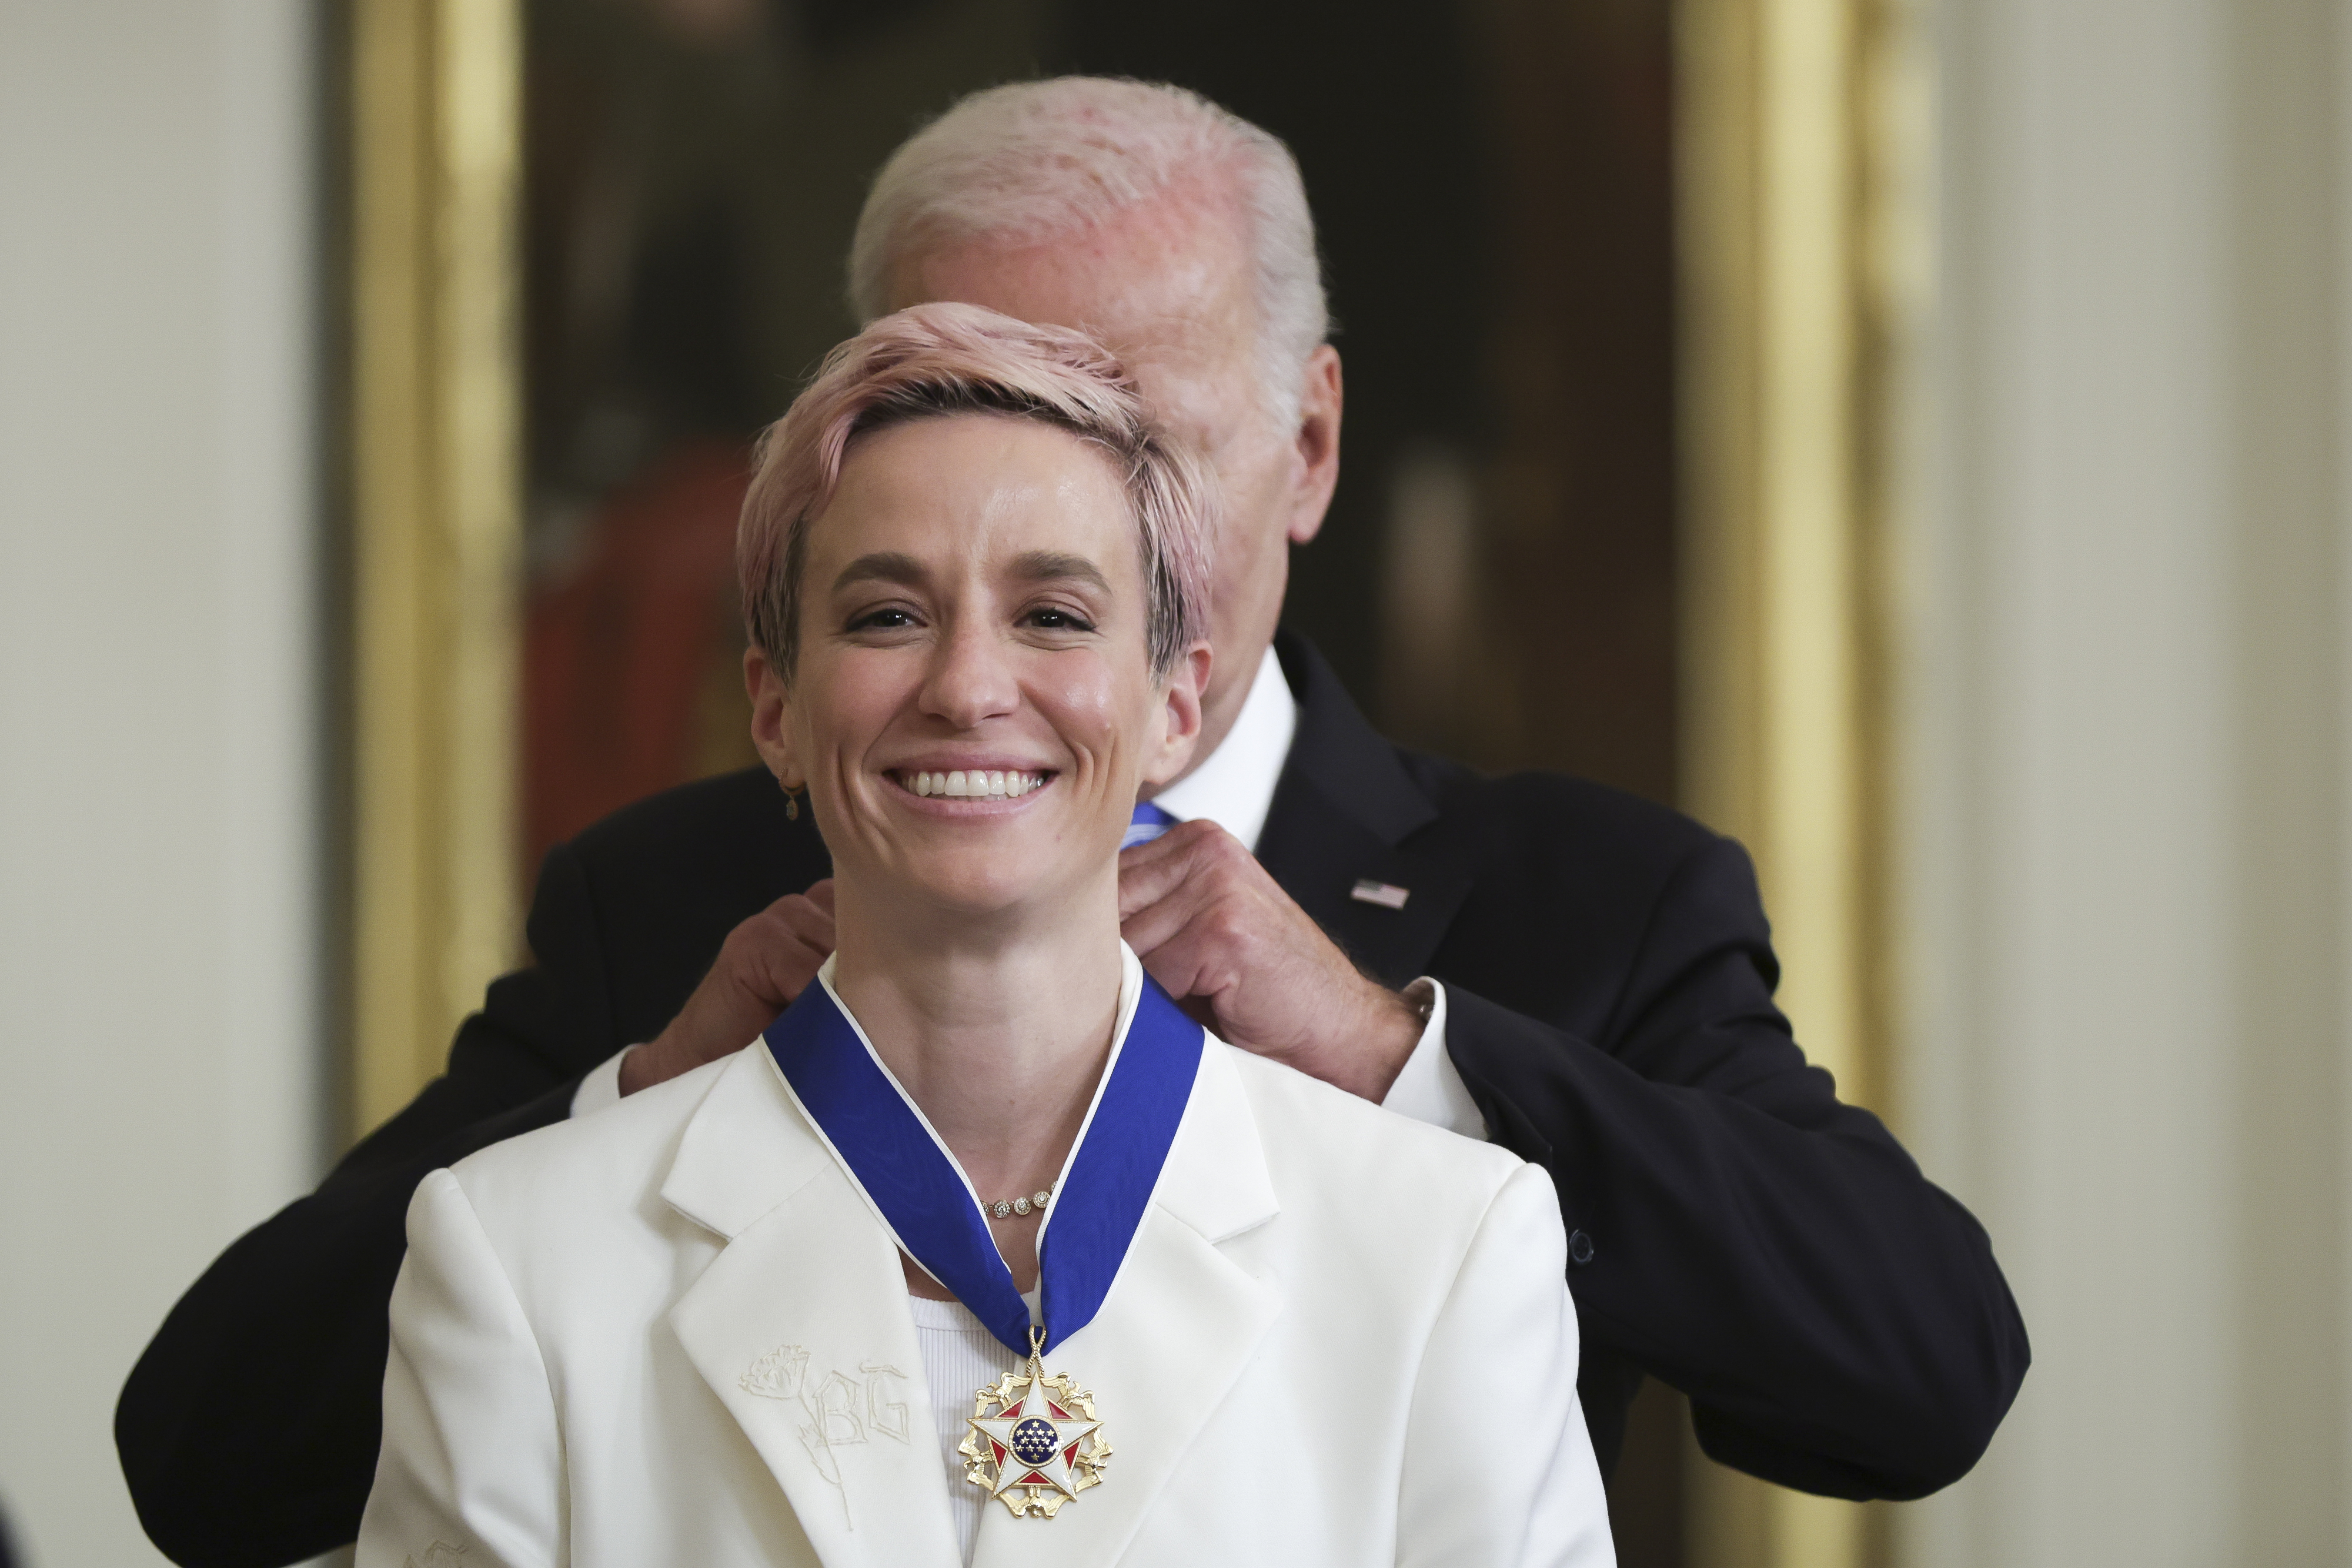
column 1387, row 894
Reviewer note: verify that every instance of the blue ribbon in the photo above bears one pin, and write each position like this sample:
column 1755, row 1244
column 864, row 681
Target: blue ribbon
column 923, row 1196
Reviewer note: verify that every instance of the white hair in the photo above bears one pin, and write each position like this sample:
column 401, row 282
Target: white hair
column 1055, row 157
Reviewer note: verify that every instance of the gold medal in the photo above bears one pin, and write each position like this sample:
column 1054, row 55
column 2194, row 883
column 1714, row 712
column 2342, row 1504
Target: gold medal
column 1034, row 1442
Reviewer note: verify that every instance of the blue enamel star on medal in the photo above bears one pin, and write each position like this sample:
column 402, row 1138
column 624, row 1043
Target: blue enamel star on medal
column 1033, row 1440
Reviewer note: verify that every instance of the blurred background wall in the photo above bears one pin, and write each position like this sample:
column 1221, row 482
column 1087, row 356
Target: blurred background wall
column 2094, row 407
column 2124, row 799
column 163, row 1047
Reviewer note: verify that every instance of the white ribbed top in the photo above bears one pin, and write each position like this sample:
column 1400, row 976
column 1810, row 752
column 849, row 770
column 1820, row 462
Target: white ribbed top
column 959, row 1358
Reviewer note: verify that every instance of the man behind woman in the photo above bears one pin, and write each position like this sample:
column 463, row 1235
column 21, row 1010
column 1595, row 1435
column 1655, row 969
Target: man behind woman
column 684, row 1329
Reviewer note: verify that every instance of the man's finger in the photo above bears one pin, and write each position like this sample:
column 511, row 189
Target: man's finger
column 1174, row 963
column 1142, row 887
column 805, row 920
column 785, row 971
column 1160, row 900
column 1149, row 872
column 1201, row 1010
column 1181, row 839
column 820, row 894
column 1155, row 926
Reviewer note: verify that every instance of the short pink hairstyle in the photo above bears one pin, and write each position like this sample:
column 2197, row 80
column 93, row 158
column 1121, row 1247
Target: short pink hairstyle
column 931, row 361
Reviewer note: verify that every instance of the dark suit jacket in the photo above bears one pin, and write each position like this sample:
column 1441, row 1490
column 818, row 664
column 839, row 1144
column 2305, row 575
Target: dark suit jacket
column 1839, row 1322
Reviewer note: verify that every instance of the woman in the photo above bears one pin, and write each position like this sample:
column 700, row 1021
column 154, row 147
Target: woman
column 984, row 1202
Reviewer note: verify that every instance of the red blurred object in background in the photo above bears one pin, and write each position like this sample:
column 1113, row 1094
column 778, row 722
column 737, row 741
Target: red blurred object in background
column 632, row 662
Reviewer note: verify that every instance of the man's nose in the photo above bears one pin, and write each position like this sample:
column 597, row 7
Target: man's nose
column 970, row 677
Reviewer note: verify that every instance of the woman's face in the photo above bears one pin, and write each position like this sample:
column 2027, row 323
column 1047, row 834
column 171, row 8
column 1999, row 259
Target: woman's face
column 974, row 709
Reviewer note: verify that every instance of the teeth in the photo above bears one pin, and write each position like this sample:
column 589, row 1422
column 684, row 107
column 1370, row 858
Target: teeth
column 976, row 785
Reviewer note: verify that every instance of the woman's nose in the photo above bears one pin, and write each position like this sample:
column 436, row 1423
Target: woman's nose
column 970, row 679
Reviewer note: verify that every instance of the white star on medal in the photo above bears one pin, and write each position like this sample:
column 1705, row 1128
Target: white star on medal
column 1018, row 1434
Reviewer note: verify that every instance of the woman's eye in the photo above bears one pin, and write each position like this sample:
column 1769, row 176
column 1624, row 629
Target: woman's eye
column 885, row 620
column 1059, row 620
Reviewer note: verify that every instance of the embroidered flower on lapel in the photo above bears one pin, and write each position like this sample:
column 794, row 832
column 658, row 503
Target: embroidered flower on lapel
column 778, row 1373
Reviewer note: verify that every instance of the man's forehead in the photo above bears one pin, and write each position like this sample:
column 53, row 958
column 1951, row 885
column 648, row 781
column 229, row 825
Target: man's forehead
column 1165, row 286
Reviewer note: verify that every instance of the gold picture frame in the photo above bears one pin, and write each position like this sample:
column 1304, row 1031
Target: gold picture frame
column 436, row 93
column 1803, row 209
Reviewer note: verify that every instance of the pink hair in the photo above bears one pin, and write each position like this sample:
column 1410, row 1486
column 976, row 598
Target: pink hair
column 930, row 361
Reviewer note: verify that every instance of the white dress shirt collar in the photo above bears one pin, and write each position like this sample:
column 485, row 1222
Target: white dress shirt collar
column 1234, row 787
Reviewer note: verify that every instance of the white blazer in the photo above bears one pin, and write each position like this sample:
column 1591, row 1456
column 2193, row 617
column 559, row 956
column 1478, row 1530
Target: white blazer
column 673, row 1334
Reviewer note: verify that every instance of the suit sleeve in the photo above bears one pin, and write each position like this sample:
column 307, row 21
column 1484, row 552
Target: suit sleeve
column 248, row 1430
column 471, row 1469
column 1838, row 1321
column 1498, row 1468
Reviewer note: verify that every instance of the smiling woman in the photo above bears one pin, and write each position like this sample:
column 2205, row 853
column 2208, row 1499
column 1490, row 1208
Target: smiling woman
column 974, row 577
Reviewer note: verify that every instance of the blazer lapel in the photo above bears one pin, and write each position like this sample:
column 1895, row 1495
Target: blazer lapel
column 1346, row 814
column 801, row 1328
column 1179, row 1326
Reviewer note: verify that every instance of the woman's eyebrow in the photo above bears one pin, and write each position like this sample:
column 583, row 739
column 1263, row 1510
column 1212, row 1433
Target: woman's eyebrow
column 882, row 566
column 1053, row 566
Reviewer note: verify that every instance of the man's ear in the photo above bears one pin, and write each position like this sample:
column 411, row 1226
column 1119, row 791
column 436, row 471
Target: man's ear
column 1179, row 729
column 770, row 713
column 1317, row 473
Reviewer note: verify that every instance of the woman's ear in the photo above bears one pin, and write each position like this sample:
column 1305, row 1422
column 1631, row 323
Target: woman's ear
column 771, row 706
column 1180, row 717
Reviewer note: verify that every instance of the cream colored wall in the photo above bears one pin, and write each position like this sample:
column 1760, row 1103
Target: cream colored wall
column 2123, row 786
column 158, row 946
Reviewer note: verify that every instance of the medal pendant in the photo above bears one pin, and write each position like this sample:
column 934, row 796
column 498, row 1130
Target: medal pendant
column 1034, row 1442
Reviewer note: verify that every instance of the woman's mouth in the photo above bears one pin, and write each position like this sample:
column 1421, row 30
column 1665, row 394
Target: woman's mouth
column 972, row 784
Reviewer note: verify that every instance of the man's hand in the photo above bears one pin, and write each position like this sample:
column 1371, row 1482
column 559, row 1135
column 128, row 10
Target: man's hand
column 1218, row 932
column 764, row 963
